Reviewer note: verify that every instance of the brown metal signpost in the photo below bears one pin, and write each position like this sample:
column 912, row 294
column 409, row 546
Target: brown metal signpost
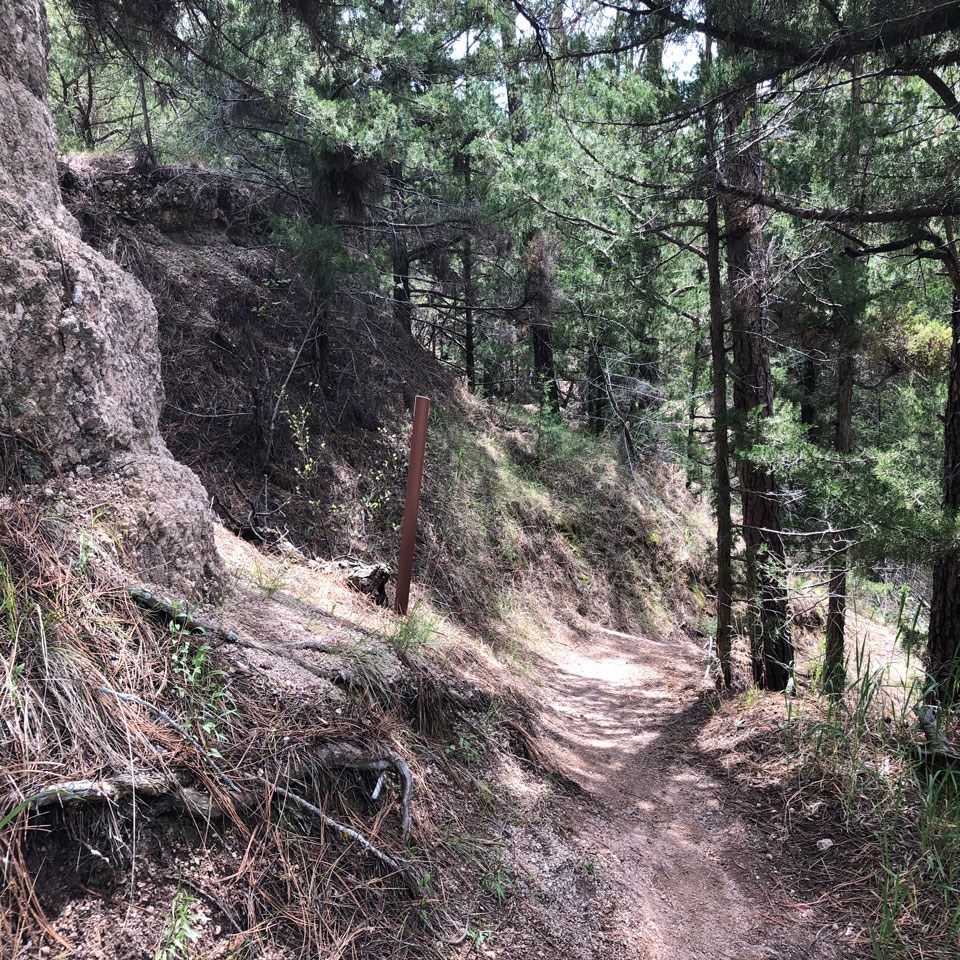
column 408, row 534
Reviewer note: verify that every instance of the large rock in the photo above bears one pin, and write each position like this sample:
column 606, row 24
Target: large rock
column 80, row 388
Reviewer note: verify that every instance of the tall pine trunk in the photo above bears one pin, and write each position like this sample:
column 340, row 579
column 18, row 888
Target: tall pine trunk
column 469, row 333
column 848, row 336
column 834, row 667
column 399, row 256
column 943, row 639
column 539, row 294
column 721, row 438
column 721, row 447
column 771, row 645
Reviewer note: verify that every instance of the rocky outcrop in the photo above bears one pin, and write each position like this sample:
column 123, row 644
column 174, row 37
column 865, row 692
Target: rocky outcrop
column 80, row 389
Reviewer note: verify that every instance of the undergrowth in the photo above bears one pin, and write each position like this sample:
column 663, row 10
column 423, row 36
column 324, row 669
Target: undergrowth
column 109, row 721
column 522, row 507
column 894, row 796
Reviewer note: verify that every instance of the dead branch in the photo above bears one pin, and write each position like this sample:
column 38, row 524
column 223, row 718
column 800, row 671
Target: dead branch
column 196, row 803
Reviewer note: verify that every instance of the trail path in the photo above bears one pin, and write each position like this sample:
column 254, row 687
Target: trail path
column 677, row 871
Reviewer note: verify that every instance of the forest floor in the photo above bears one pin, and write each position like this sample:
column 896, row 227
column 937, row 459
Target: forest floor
column 645, row 820
column 677, row 857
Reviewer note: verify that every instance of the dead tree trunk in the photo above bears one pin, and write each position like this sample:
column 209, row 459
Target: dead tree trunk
column 771, row 645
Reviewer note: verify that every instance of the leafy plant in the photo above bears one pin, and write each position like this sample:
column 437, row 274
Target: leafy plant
column 470, row 749
column 204, row 688
column 180, row 930
column 499, row 882
column 479, row 936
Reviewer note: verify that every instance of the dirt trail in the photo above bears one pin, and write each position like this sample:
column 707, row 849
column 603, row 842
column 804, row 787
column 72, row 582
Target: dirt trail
column 680, row 874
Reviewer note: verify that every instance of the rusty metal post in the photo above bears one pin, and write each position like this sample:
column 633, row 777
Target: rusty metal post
column 411, row 509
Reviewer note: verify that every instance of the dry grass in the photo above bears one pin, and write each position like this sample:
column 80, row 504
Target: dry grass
column 869, row 827
column 187, row 728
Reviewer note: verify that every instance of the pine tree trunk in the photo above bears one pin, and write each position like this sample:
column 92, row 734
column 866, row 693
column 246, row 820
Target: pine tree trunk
column 834, row 654
column 400, row 259
column 943, row 638
column 594, row 393
column 721, row 446
column 469, row 345
column 834, row 669
column 771, row 646
column 721, row 436
column 512, row 77
column 540, row 295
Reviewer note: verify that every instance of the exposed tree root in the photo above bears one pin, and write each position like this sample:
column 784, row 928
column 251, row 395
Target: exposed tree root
column 183, row 799
column 196, row 803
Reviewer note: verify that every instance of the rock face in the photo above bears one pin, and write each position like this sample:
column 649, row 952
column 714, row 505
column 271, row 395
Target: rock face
column 80, row 389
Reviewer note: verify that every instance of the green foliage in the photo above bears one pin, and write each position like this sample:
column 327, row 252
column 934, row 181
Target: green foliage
column 203, row 689
column 180, row 931
column 414, row 630
column 858, row 748
column 319, row 249
column 468, row 748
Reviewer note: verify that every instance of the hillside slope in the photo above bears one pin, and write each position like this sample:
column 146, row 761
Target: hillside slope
column 199, row 764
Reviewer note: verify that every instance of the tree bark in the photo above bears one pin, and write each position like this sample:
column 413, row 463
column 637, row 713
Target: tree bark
column 399, row 255
column 512, row 77
column 540, row 296
column 943, row 638
column 469, row 346
column 721, row 449
column 834, row 667
column 771, row 645
column 721, row 438
column 594, row 394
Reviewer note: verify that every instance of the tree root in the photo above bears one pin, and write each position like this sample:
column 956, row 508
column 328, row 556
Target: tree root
column 184, row 799
column 196, row 803
column 340, row 756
